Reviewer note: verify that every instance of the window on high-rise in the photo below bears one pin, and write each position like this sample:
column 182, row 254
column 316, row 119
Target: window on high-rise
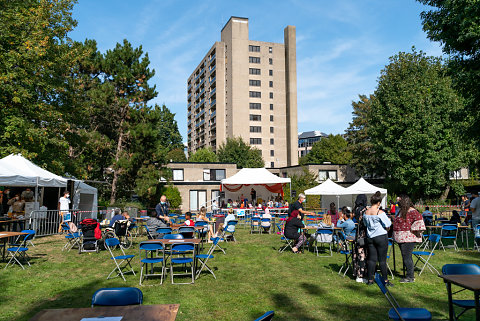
column 270, row 61
column 271, row 95
column 270, row 83
column 254, row 82
column 271, row 117
column 271, row 130
column 252, row 48
column 272, row 141
column 255, row 129
column 271, row 106
column 255, row 141
column 272, row 152
column 270, row 72
column 255, row 117
column 254, row 60
column 255, row 106
column 270, row 49
column 254, row 71
column 255, row 94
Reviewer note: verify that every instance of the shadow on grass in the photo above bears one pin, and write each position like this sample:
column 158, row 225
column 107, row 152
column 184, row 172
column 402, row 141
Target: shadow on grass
column 74, row 297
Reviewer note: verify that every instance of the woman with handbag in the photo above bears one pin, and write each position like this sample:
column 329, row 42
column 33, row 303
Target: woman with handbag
column 407, row 232
column 377, row 223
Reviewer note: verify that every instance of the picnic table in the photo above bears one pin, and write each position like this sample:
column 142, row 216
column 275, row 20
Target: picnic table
column 469, row 282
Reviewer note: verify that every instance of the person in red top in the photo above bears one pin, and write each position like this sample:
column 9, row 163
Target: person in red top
column 333, row 214
column 188, row 219
column 407, row 231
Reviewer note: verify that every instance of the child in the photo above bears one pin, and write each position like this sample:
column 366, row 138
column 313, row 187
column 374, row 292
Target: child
column 188, row 219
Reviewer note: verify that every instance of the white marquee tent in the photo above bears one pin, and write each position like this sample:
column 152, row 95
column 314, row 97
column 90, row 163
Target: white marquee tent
column 330, row 192
column 15, row 170
column 242, row 182
column 364, row 187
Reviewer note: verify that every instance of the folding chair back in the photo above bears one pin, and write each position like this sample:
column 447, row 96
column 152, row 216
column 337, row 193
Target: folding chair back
column 203, row 258
column 186, row 250
column 173, row 237
column 111, row 243
column 117, row 296
column 150, row 249
column 446, row 234
column 121, row 227
column 230, row 228
column 324, row 236
column 186, row 231
column 434, row 240
column 19, row 251
column 255, row 225
column 164, row 230
column 267, row 316
column 398, row 313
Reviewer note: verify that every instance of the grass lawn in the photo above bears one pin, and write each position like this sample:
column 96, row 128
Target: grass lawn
column 251, row 279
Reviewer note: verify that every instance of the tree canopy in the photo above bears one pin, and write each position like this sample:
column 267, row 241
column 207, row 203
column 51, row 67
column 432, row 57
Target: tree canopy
column 204, row 155
column 328, row 149
column 235, row 150
column 414, row 125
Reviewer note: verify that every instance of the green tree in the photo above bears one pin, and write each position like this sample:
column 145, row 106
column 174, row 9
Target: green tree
column 359, row 144
column 299, row 184
column 456, row 25
column 204, row 155
column 329, row 149
column 36, row 58
column 173, row 196
column 418, row 150
column 176, row 155
column 235, row 150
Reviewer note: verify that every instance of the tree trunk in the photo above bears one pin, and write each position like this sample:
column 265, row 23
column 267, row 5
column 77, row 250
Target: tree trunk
column 113, row 195
column 445, row 193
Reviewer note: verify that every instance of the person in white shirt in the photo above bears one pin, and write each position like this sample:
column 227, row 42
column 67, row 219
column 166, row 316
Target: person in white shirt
column 63, row 208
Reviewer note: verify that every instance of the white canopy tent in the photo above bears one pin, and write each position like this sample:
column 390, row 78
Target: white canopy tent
column 330, row 192
column 15, row 170
column 364, row 187
column 241, row 182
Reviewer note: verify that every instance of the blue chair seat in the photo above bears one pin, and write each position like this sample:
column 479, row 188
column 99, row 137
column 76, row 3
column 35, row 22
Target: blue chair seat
column 345, row 252
column 449, row 237
column 122, row 257
column 204, row 256
column 422, row 253
column 17, row 249
column 464, row 303
column 152, row 260
column 182, row 260
column 410, row 314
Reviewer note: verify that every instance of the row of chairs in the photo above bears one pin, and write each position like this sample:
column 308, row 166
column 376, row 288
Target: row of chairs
column 179, row 254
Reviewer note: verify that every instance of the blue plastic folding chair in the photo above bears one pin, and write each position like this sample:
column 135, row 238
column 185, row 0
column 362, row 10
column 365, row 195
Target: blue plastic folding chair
column 255, row 223
column 398, row 313
column 117, row 297
column 19, row 251
column 230, row 229
column 121, row 261
column 345, row 251
column 73, row 239
column 476, row 241
column 323, row 236
column 446, row 234
column 203, row 258
column 434, row 240
column 267, row 316
column 464, row 269
column 182, row 254
column 164, row 230
column 186, row 231
column 151, row 258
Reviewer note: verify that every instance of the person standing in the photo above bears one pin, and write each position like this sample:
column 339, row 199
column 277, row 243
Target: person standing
column 475, row 210
column 1, row 202
column 6, row 197
column 63, row 209
column 377, row 223
column 298, row 206
column 333, row 213
column 360, row 250
column 162, row 210
column 407, row 228
column 214, row 207
column 253, row 195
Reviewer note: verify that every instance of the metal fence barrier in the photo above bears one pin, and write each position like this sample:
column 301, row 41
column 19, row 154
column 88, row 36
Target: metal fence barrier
column 47, row 222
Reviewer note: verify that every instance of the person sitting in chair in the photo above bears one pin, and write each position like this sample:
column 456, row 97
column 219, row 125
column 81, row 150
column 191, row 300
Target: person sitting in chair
column 294, row 222
column 116, row 217
column 266, row 225
column 153, row 223
column 347, row 224
column 188, row 219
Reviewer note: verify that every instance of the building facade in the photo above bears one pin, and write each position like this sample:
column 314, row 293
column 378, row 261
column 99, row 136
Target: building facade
column 306, row 141
column 248, row 89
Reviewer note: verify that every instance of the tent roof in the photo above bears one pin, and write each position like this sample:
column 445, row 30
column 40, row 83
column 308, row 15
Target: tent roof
column 326, row 188
column 254, row 176
column 364, row 187
column 15, row 170
column 85, row 188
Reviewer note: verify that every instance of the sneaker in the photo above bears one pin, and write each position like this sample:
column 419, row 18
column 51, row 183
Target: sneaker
column 407, row 280
column 388, row 283
column 360, row 280
column 370, row 282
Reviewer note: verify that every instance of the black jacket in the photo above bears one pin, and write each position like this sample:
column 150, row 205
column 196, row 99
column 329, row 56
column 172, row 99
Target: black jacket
column 291, row 228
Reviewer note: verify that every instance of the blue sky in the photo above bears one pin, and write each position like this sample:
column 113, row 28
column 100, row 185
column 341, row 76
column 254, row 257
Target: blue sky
column 341, row 45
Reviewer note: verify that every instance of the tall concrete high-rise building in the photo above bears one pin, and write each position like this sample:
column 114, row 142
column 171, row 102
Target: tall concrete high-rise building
column 246, row 88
